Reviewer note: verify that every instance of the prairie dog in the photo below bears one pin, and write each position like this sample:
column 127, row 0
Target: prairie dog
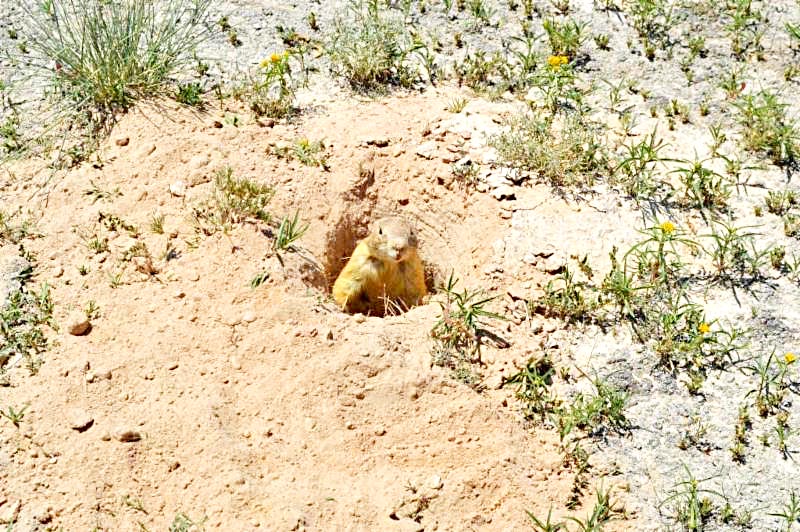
column 385, row 268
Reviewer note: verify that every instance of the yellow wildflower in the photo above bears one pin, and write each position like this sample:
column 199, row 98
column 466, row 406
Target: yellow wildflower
column 275, row 57
column 667, row 227
column 264, row 63
column 789, row 357
column 556, row 61
column 704, row 328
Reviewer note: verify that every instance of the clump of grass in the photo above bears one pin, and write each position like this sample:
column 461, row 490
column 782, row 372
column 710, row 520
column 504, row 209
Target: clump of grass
column 767, row 129
column 109, row 55
column 310, row 152
column 780, row 202
column 233, row 201
column 371, row 48
column 569, row 154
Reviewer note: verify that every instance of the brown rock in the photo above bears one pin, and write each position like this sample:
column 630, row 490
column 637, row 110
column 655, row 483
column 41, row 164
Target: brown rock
column 127, row 435
column 124, row 141
column 79, row 324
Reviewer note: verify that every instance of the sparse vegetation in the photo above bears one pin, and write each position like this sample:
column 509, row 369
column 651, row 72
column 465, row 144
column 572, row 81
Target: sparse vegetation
column 371, row 48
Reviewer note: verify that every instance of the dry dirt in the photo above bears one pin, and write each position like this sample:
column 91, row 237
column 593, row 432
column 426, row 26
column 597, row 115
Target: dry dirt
column 266, row 408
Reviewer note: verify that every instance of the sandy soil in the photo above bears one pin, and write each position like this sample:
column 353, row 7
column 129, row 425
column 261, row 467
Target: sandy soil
column 265, row 408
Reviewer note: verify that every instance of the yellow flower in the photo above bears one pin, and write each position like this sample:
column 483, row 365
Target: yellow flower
column 556, row 61
column 704, row 328
column 667, row 227
column 264, row 63
column 275, row 57
column 789, row 357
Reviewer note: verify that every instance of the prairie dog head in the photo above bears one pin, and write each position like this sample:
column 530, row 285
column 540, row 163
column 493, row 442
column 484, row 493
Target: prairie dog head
column 394, row 238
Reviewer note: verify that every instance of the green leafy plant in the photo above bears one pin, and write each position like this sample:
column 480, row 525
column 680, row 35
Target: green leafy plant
column 289, row 231
column 15, row 416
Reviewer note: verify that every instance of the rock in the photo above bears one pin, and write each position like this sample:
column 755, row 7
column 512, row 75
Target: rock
column 504, row 192
column 359, row 318
column 379, row 142
column 12, row 269
column 217, row 124
column 249, row 317
column 427, row 150
column 124, row 141
column 236, row 363
column 177, row 189
column 127, row 435
column 80, row 420
column 435, row 482
column 263, row 122
column 78, row 324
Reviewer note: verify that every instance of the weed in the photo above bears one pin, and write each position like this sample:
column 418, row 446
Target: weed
column 91, row 311
column 11, row 141
column 597, row 413
column 703, row 188
column 566, row 38
column 183, row 523
column 457, row 105
column 790, row 512
column 791, row 225
column 636, row 171
column 772, row 383
column 234, row 200
column 259, row 279
column 115, row 279
column 272, row 93
column 767, row 129
column 100, row 194
column 548, row 525
column 733, row 82
column 572, row 301
column 605, row 509
column 691, row 504
column 571, row 155
column 533, row 388
column 190, row 94
column 466, row 174
column 22, row 321
column 462, row 326
column 12, row 232
column 310, row 153
column 652, row 20
column 601, row 40
column 744, row 29
column 15, row 416
column 734, row 254
column 157, row 223
column 780, row 202
column 370, row 48
column 289, row 231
